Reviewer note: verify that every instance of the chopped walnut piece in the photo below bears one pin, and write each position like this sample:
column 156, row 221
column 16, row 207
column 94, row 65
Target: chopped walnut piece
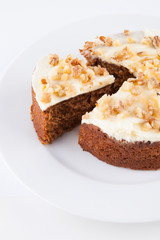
column 64, row 77
column 105, row 111
column 68, row 58
column 126, row 32
column 130, row 40
column 123, row 114
column 136, row 90
column 157, row 113
column 103, row 106
column 156, row 62
column 150, row 107
column 85, row 52
column 140, row 54
column 152, row 83
column 146, row 41
column 100, row 71
column 90, row 73
column 128, row 85
column 56, row 88
column 59, row 90
column 84, row 78
column 155, row 124
column 67, row 69
column 54, row 59
column 59, row 73
column 129, row 101
column 146, row 126
column 75, row 62
column 141, row 75
column 139, row 113
column 46, row 97
column 98, row 51
column 76, row 71
column 55, row 77
column 109, row 42
column 139, row 80
column 125, row 53
column 43, row 81
column 88, row 45
column 108, row 111
column 156, row 42
column 70, row 89
column 104, row 114
column 110, row 106
column 61, row 93
column 102, row 38
column 61, row 64
column 119, row 108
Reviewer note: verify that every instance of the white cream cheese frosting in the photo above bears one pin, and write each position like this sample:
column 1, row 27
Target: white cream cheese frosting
column 55, row 80
column 133, row 113
column 127, row 123
column 134, row 44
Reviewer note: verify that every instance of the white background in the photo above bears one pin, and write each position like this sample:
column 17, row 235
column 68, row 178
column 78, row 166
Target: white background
column 22, row 214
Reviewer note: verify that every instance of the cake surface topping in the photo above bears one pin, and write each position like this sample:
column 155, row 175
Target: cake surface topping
column 55, row 80
column 137, row 51
column 133, row 113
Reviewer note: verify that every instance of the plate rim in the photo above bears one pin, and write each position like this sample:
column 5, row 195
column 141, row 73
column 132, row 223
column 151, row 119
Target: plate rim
column 156, row 183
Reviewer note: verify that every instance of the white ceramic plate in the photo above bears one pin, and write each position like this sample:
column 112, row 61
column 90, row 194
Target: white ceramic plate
column 62, row 173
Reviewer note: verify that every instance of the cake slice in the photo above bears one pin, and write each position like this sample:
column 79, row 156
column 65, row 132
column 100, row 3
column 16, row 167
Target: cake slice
column 63, row 90
column 124, row 129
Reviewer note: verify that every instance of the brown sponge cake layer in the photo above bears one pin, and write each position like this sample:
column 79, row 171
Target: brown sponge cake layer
column 137, row 155
column 64, row 116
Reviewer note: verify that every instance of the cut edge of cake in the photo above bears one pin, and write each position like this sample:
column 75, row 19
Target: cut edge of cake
column 138, row 155
column 52, row 111
column 135, row 154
